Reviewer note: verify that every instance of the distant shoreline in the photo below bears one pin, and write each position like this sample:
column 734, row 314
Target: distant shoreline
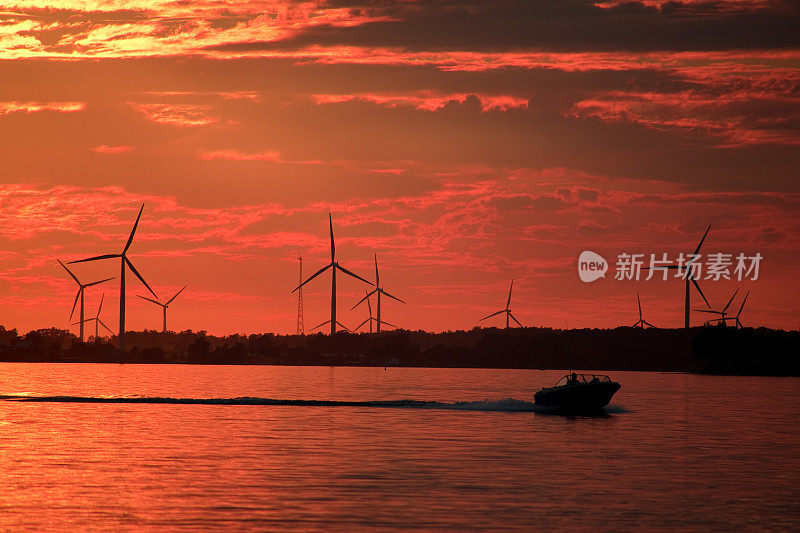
column 701, row 350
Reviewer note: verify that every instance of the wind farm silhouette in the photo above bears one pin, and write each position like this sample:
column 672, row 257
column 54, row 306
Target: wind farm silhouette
column 81, row 290
column 684, row 266
column 97, row 321
column 735, row 318
column 378, row 290
column 723, row 319
column 123, row 262
column 369, row 318
column 334, row 266
column 722, row 313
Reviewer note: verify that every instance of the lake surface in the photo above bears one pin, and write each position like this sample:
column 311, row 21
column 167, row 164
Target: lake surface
column 675, row 451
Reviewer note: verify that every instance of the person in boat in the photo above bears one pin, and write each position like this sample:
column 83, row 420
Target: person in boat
column 573, row 379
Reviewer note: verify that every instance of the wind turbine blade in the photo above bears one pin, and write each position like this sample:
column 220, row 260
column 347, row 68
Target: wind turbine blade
column 388, row 324
column 636, row 323
column 84, row 321
column 701, row 240
column 515, row 319
column 107, row 328
column 742, row 306
column 317, row 273
column 390, row 296
column 343, row 327
column 649, row 324
column 320, row 325
column 176, row 295
column 333, row 246
column 359, row 326
column 98, row 282
column 377, row 277
column 96, row 258
column 133, row 269
column 364, row 298
column 731, row 300
column 640, row 304
column 68, row 271
column 508, row 303
column 78, row 295
column 369, row 305
column 696, row 286
column 135, row 225
column 708, row 311
column 101, row 304
column 343, row 269
column 150, row 300
column 493, row 314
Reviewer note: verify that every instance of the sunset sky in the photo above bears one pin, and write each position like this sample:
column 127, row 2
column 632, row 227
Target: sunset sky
column 466, row 143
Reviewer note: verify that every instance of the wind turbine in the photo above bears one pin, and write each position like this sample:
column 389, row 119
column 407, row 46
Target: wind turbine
column 81, row 287
column 641, row 323
column 739, row 312
column 334, row 266
column 370, row 318
column 689, row 279
column 507, row 311
column 164, row 305
column 377, row 290
column 123, row 261
column 722, row 313
column 98, row 321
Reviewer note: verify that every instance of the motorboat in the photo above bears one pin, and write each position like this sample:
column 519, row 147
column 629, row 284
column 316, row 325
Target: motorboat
column 578, row 392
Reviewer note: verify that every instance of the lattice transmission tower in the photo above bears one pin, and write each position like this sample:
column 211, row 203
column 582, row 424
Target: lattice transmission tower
column 300, row 325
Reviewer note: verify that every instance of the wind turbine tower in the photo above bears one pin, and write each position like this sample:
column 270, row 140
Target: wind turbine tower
column 300, row 325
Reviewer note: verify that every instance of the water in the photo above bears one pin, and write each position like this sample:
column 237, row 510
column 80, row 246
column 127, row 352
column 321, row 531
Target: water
column 675, row 451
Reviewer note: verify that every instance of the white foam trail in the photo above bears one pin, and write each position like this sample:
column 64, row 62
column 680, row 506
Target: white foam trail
column 504, row 405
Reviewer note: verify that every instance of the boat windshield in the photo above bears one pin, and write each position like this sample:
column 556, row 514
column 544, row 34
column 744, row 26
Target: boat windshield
column 581, row 378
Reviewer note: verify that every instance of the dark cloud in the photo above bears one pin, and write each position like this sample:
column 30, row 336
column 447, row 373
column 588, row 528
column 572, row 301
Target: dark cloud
column 556, row 25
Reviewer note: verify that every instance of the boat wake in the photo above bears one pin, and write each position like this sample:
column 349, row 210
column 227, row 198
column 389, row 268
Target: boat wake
column 504, row 405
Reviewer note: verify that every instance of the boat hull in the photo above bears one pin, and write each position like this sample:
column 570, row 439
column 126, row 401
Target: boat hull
column 580, row 396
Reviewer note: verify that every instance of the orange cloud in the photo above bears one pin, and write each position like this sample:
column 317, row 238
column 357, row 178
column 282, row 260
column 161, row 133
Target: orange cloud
column 716, row 115
column 105, row 149
column 272, row 156
column 7, row 108
column 186, row 115
column 233, row 155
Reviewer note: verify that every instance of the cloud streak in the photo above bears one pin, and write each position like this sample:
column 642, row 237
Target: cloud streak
column 8, row 108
